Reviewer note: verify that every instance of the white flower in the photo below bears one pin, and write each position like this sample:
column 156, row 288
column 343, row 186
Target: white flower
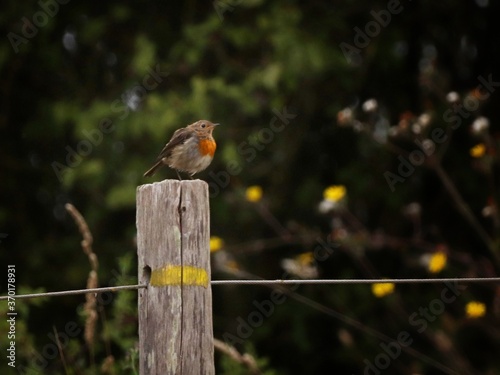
column 326, row 206
column 487, row 211
column 295, row 267
column 370, row 105
column 480, row 125
column 452, row 97
column 424, row 119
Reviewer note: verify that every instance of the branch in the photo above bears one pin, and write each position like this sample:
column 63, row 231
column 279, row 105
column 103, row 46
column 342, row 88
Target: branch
column 245, row 359
column 465, row 210
column 90, row 306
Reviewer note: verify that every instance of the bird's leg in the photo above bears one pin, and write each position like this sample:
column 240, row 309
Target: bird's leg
column 178, row 175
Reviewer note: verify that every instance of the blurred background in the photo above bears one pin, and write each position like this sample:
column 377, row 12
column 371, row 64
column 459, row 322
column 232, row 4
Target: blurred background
column 359, row 139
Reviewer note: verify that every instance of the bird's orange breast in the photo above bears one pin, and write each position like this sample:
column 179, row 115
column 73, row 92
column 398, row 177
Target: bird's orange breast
column 207, row 147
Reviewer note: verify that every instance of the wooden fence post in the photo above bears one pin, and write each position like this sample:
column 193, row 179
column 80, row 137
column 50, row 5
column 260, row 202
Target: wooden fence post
column 175, row 311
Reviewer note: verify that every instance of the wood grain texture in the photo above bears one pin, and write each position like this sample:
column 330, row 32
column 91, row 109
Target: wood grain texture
column 175, row 321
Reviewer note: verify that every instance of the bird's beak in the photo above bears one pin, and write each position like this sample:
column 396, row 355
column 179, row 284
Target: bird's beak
column 216, row 124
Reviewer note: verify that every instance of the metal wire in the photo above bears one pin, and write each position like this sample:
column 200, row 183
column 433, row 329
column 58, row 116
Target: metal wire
column 356, row 281
column 265, row 282
column 72, row 292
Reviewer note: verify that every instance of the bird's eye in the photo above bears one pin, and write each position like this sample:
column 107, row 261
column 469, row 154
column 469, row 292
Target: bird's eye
column 203, row 125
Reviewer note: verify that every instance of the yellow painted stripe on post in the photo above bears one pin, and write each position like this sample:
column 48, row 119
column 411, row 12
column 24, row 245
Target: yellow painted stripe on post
column 179, row 275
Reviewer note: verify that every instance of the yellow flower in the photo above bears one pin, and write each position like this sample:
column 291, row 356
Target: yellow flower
column 334, row 193
column 478, row 150
column 382, row 289
column 475, row 309
column 253, row 193
column 437, row 262
column 216, row 244
column 305, row 259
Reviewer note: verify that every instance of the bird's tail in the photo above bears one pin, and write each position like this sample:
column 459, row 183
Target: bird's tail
column 151, row 171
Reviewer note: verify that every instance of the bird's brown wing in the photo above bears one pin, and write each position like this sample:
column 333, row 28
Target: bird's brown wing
column 180, row 136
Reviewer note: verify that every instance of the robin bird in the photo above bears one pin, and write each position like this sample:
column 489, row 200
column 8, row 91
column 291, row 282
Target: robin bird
column 190, row 150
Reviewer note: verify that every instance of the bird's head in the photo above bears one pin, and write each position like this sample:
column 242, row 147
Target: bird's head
column 203, row 126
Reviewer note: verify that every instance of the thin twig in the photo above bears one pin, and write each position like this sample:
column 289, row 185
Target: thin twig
column 90, row 306
column 245, row 359
column 273, row 222
column 466, row 212
column 86, row 234
column 60, row 348
column 256, row 246
column 495, row 214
